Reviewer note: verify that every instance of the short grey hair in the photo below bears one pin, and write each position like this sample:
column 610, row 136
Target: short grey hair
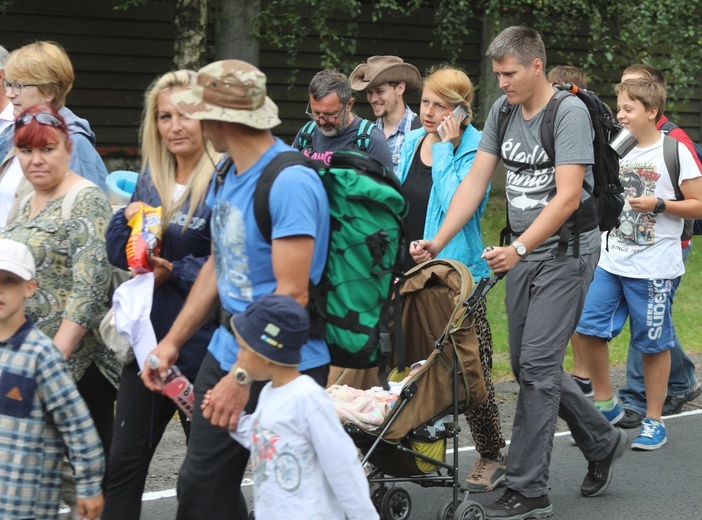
column 522, row 43
column 3, row 57
column 329, row 81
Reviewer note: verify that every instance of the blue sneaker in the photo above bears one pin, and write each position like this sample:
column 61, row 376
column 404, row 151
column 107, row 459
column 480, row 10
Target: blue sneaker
column 652, row 436
column 614, row 415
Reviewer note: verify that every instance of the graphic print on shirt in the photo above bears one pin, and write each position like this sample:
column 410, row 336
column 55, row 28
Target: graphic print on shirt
column 231, row 258
column 325, row 157
column 273, row 458
column 530, row 190
column 638, row 180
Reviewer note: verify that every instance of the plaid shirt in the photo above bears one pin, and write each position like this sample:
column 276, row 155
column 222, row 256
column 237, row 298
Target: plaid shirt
column 398, row 137
column 42, row 415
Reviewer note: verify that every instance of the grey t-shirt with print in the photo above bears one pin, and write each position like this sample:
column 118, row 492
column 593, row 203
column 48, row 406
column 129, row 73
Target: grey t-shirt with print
column 529, row 191
column 323, row 147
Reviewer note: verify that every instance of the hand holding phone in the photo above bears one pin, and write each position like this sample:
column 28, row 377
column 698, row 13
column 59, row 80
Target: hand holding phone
column 459, row 113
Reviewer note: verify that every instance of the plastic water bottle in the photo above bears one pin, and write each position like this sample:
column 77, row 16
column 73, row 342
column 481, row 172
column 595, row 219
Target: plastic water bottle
column 176, row 386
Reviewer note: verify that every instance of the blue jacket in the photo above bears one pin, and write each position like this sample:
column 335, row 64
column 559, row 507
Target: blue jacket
column 447, row 172
column 85, row 160
column 187, row 252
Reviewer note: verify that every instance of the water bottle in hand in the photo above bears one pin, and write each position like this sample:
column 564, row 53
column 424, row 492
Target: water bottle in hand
column 176, row 386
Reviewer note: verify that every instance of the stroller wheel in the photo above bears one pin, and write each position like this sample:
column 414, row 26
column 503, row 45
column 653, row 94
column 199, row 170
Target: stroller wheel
column 376, row 495
column 446, row 511
column 469, row 510
column 396, row 504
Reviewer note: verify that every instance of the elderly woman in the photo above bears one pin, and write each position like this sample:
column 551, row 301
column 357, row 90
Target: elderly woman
column 72, row 267
column 177, row 170
column 432, row 165
column 41, row 73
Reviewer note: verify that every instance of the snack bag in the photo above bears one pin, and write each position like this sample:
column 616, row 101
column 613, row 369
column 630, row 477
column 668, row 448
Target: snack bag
column 145, row 238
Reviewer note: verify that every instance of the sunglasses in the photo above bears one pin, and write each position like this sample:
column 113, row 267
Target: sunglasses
column 41, row 118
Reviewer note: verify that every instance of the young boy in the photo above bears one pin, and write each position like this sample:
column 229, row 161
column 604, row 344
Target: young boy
column 304, row 465
column 41, row 413
column 636, row 272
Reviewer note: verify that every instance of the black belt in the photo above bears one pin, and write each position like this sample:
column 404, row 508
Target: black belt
column 224, row 317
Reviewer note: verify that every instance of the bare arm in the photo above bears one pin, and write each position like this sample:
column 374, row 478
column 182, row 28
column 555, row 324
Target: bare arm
column 465, row 201
column 569, row 182
column 195, row 312
column 292, row 261
column 68, row 336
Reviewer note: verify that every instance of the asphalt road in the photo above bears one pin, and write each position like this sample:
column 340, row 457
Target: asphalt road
column 664, row 484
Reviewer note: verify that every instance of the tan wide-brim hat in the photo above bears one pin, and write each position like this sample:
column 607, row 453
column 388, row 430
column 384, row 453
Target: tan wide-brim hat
column 385, row 69
column 230, row 90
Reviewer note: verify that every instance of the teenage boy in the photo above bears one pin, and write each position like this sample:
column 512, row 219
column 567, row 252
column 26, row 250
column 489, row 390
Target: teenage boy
column 41, row 412
column 643, row 259
column 683, row 384
column 335, row 126
column 545, row 290
column 386, row 80
column 303, row 463
column 237, row 116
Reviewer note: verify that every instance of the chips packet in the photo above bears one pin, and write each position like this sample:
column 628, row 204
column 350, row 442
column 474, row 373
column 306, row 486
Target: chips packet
column 144, row 239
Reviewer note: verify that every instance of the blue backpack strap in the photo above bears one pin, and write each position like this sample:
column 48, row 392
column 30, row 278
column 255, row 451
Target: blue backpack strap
column 364, row 132
column 304, row 139
column 264, row 184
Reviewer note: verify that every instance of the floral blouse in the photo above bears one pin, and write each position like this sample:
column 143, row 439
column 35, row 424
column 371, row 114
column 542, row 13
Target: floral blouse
column 73, row 273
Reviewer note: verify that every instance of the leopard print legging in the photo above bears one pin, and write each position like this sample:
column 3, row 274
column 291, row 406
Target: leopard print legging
column 484, row 421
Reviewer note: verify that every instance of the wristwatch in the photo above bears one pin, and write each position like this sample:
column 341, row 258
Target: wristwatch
column 660, row 207
column 521, row 248
column 241, row 376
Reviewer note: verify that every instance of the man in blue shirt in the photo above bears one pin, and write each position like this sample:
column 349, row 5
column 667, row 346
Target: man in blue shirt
column 230, row 99
column 386, row 80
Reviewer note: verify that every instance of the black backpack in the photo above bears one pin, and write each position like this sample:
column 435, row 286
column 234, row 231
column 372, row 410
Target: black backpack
column 607, row 201
column 672, row 163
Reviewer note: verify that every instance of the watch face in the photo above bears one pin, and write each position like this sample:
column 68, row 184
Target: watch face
column 521, row 250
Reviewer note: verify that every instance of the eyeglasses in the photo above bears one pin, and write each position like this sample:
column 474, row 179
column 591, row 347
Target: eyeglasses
column 328, row 119
column 42, row 118
column 17, row 87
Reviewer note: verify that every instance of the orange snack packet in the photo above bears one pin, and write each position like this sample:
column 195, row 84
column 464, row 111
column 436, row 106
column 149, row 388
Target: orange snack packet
column 145, row 238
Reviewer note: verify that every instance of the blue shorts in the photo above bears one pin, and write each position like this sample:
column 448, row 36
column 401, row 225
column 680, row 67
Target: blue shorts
column 647, row 302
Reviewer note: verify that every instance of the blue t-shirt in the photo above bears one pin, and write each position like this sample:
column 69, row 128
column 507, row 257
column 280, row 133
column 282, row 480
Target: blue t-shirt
column 298, row 206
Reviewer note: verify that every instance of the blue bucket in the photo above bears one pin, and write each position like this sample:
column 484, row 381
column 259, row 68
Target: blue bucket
column 120, row 185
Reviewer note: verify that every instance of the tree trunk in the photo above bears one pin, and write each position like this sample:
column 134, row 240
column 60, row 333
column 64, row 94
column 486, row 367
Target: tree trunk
column 189, row 49
column 232, row 30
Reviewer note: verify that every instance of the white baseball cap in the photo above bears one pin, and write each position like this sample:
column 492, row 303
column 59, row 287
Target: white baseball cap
column 16, row 259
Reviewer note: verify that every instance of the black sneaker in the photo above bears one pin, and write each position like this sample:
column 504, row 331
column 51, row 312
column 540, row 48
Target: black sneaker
column 631, row 419
column 512, row 505
column 599, row 473
column 673, row 404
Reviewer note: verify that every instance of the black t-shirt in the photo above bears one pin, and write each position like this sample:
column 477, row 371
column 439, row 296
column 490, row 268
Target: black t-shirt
column 417, row 187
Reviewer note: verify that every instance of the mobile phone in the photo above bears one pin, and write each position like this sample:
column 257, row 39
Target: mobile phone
column 459, row 112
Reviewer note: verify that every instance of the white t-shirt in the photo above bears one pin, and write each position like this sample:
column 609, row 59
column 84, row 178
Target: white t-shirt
column 304, row 465
column 646, row 245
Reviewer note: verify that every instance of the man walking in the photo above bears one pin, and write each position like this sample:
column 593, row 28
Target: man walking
column 386, row 80
column 545, row 290
column 230, row 100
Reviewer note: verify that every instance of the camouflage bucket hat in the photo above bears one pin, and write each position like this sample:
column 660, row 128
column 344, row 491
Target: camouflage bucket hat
column 232, row 91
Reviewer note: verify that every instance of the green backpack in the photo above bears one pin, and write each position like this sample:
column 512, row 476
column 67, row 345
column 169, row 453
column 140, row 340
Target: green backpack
column 351, row 306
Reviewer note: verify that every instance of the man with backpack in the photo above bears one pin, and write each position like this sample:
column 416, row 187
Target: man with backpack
column 334, row 126
column 545, row 289
column 683, row 384
column 386, row 80
column 237, row 116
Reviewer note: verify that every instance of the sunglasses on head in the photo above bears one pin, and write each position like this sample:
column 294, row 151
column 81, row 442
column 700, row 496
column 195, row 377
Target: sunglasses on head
column 41, row 118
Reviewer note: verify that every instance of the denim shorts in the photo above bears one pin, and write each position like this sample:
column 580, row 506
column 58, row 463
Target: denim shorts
column 647, row 302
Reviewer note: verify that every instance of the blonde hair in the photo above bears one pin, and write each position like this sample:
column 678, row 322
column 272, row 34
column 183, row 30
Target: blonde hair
column 650, row 94
column 45, row 64
column 453, row 85
column 162, row 163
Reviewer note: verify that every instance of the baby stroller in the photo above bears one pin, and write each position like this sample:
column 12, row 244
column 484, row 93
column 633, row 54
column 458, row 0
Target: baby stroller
column 438, row 299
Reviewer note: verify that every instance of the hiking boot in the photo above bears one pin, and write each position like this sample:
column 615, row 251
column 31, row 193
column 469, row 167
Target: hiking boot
column 512, row 505
column 486, row 475
column 599, row 473
column 673, row 403
column 614, row 415
column 585, row 386
column 652, row 436
column 631, row 419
